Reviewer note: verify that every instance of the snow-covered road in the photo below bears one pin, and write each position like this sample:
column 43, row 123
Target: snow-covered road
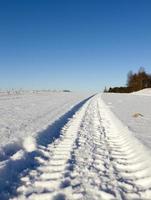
column 94, row 157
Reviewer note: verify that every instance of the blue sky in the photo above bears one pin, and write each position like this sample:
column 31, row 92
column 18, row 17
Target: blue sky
column 73, row 44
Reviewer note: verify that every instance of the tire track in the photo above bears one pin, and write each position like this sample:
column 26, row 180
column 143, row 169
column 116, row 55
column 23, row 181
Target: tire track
column 93, row 169
column 131, row 161
column 94, row 158
column 44, row 181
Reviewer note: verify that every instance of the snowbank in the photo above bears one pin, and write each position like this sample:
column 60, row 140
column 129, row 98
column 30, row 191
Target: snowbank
column 146, row 92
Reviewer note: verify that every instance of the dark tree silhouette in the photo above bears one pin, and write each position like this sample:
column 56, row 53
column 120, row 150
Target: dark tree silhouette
column 135, row 81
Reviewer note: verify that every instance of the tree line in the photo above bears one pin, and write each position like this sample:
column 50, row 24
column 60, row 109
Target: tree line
column 135, row 82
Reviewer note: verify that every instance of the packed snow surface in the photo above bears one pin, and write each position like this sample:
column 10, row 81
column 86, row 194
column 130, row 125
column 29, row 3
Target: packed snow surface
column 94, row 157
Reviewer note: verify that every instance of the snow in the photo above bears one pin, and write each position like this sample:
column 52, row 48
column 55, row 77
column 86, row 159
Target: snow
column 134, row 111
column 146, row 91
column 96, row 154
column 29, row 144
column 27, row 114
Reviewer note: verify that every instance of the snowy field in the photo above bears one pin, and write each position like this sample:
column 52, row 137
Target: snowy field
column 134, row 110
column 29, row 114
column 81, row 149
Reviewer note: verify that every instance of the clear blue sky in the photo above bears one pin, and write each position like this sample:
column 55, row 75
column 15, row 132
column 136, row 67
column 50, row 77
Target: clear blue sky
column 73, row 44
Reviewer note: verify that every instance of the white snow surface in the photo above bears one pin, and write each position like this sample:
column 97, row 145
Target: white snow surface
column 146, row 91
column 134, row 111
column 94, row 156
column 28, row 114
